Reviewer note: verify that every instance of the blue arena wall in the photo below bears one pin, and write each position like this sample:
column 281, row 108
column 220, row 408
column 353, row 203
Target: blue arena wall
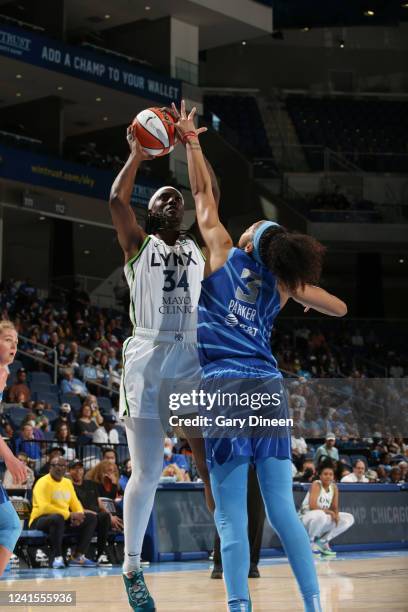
column 181, row 527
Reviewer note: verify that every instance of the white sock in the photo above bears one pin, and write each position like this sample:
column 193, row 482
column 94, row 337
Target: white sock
column 146, row 441
column 131, row 563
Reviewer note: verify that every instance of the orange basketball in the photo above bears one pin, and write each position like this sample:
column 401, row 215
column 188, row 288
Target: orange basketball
column 156, row 136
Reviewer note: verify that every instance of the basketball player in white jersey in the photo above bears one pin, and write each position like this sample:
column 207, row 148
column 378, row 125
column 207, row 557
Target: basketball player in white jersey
column 164, row 269
column 320, row 514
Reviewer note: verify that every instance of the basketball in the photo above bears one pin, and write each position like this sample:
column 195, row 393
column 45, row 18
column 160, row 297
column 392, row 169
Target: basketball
column 155, row 135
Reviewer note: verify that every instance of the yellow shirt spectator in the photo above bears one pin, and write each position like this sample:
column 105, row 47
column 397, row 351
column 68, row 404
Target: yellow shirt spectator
column 54, row 497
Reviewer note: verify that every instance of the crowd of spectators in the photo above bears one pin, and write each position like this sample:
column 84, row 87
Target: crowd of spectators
column 73, row 425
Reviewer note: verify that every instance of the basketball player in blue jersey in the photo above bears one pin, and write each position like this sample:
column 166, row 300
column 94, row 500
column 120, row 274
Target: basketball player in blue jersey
column 164, row 268
column 243, row 291
column 10, row 527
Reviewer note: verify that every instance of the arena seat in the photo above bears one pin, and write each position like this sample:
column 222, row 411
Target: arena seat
column 16, row 413
column 40, row 377
column 48, row 398
column 71, row 399
column 364, row 131
column 105, row 404
column 241, row 123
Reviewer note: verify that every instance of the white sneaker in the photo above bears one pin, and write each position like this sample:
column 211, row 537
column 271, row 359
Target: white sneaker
column 104, row 561
column 58, row 563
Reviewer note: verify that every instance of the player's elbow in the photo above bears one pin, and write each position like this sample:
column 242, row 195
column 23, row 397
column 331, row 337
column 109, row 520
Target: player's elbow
column 340, row 309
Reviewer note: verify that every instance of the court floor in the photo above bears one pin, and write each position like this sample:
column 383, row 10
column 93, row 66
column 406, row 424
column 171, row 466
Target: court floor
column 352, row 581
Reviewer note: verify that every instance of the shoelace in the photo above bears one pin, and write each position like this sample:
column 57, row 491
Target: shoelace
column 138, row 592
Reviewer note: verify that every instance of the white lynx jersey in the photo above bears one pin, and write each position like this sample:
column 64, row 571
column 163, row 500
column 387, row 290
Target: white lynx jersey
column 165, row 284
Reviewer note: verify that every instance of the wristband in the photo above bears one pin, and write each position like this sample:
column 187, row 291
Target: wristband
column 187, row 136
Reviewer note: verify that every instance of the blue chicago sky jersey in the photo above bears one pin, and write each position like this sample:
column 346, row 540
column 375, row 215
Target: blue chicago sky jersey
column 236, row 311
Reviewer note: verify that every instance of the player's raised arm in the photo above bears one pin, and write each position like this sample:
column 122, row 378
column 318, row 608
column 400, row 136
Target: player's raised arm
column 320, row 300
column 216, row 238
column 130, row 233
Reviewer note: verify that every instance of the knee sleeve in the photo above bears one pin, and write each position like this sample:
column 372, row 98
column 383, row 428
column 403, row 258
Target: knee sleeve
column 10, row 526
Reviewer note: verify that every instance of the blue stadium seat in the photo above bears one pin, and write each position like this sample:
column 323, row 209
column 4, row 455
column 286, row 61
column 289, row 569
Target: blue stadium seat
column 16, row 365
column 48, row 398
column 71, row 399
column 51, row 415
column 37, row 387
column 16, row 413
column 105, row 405
column 40, row 377
column 49, row 436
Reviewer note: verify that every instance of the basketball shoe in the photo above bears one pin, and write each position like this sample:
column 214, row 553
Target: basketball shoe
column 138, row 594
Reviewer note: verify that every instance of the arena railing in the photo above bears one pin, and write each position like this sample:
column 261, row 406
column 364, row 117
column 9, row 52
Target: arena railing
column 320, row 158
column 39, row 353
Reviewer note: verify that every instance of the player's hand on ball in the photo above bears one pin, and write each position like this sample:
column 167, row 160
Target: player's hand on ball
column 185, row 123
column 17, row 469
column 135, row 146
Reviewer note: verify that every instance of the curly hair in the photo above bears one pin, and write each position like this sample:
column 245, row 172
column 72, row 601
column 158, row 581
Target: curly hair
column 96, row 473
column 295, row 259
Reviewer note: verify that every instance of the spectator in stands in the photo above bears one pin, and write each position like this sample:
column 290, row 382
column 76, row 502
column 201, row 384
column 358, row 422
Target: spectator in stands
column 109, row 454
column 54, row 453
column 86, row 424
column 113, row 361
column 343, row 469
column 125, row 475
column 403, row 465
column 382, row 474
column 106, row 475
column 88, row 494
column 299, row 446
column 107, row 434
column 358, row 474
column 92, row 401
column 327, row 450
column 61, row 354
column 64, row 417
column 73, row 385
column 103, row 370
column 57, row 507
column 320, row 512
column 372, row 476
column 19, row 393
column 31, row 419
column 41, row 421
column 307, row 473
column 8, row 482
column 171, row 458
column 88, row 370
column 173, row 471
column 64, row 439
column 27, row 443
column 395, row 475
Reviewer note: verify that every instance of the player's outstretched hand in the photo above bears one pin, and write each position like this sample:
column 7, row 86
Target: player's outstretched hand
column 185, row 123
column 17, row 469
column 135, row 146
